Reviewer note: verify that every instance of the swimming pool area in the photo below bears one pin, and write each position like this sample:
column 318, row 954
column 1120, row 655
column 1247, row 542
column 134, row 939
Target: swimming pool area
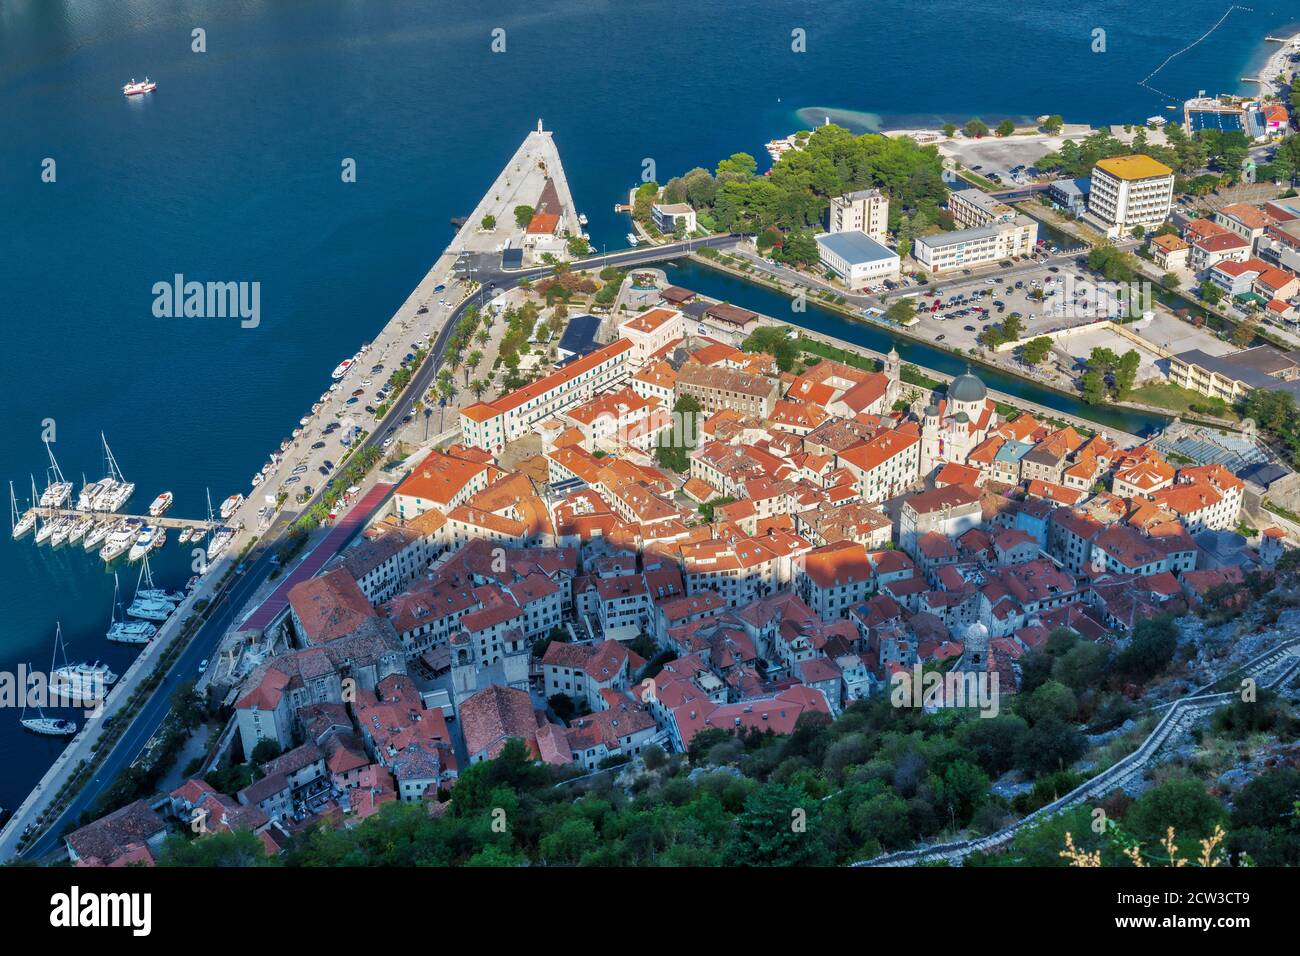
column 1227, row 122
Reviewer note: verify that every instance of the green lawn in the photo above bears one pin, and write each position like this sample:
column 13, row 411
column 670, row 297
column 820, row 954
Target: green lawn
column 1176, row 399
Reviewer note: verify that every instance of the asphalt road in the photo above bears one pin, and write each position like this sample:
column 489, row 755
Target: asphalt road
column 204, row 643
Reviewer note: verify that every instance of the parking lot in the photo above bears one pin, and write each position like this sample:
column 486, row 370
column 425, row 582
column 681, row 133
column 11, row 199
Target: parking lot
column 308, row 459
column 1070, row 299
column 968, row 307
column 999, row 155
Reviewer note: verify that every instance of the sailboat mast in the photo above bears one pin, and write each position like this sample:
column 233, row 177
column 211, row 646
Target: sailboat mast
column 58, row 472
column 113, row 471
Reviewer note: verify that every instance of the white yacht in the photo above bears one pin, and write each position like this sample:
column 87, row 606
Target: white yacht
column 633, row 239
column 145, row 542
column 160, row 504
column 123, row 631
column 21, row 524
column 184, row 536
column 118, row 542
column 231, row 505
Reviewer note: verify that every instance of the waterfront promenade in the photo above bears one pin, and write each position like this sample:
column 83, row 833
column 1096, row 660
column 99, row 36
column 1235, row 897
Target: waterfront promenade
column 228, row 597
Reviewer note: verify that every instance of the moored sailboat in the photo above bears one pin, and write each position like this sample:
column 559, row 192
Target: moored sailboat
column 123, row 631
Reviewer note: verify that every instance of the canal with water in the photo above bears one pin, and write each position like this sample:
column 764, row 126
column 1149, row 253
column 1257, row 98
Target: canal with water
column 721, row 285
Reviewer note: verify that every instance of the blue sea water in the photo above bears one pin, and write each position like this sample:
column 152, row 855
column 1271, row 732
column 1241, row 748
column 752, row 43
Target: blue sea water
column 231, row 172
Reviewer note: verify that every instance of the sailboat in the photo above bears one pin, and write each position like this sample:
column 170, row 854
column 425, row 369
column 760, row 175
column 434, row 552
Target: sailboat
column 63, row 526
column 90, row 490
column 116, row 489
column 59, row 490
column 40, row 724
column 79, row 683
column 149, row 608
column 96, row 535
column 21, row 524
column 123, row 631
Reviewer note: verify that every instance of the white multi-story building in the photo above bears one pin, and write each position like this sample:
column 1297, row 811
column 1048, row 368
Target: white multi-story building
column 667, row 216
column 490, row 425
column 885, row 465
column 1130, row 191
column 649, row 332
column 949, row 251
column 971, row 208
column 866, row 210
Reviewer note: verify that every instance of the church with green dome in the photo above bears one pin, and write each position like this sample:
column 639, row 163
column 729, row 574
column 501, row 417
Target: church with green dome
column 953, row 425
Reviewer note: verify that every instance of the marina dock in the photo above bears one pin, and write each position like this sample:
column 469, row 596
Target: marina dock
column 113, row 516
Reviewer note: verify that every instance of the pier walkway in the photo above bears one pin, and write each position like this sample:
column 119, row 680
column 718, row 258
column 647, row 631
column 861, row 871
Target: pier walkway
column 113, row 516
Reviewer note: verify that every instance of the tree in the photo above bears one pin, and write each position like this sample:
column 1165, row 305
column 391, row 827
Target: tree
column 1006, row 128
column 1052, row 699
column 1036, row 350
column 975, row 128
column 489, row 223
column 568, row 843
column 1181, row 803
column 1244, row 333
column 673, row 447
column 1149, row 650
column 1209, row 293
column 1126, row 373
column 900, row 311
column 1266, row 818
column 1050, row 744
column 993, row 741
column 239, row 848
column 577, row 246
column 523, row 216
column 798, row 248
column 1170, row 280
column 949, row 130
column 779, row 827
column 738, row 165
column 1094, row 387
column 1053, row 123
column 266, row 749
column 774, row 340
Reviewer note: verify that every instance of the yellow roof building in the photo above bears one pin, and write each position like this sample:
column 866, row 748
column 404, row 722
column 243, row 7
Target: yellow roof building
column 1134, row 167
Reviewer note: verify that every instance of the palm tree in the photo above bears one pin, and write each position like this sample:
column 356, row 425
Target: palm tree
column 478, row 387
column 472, row 362
column 482, row 336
